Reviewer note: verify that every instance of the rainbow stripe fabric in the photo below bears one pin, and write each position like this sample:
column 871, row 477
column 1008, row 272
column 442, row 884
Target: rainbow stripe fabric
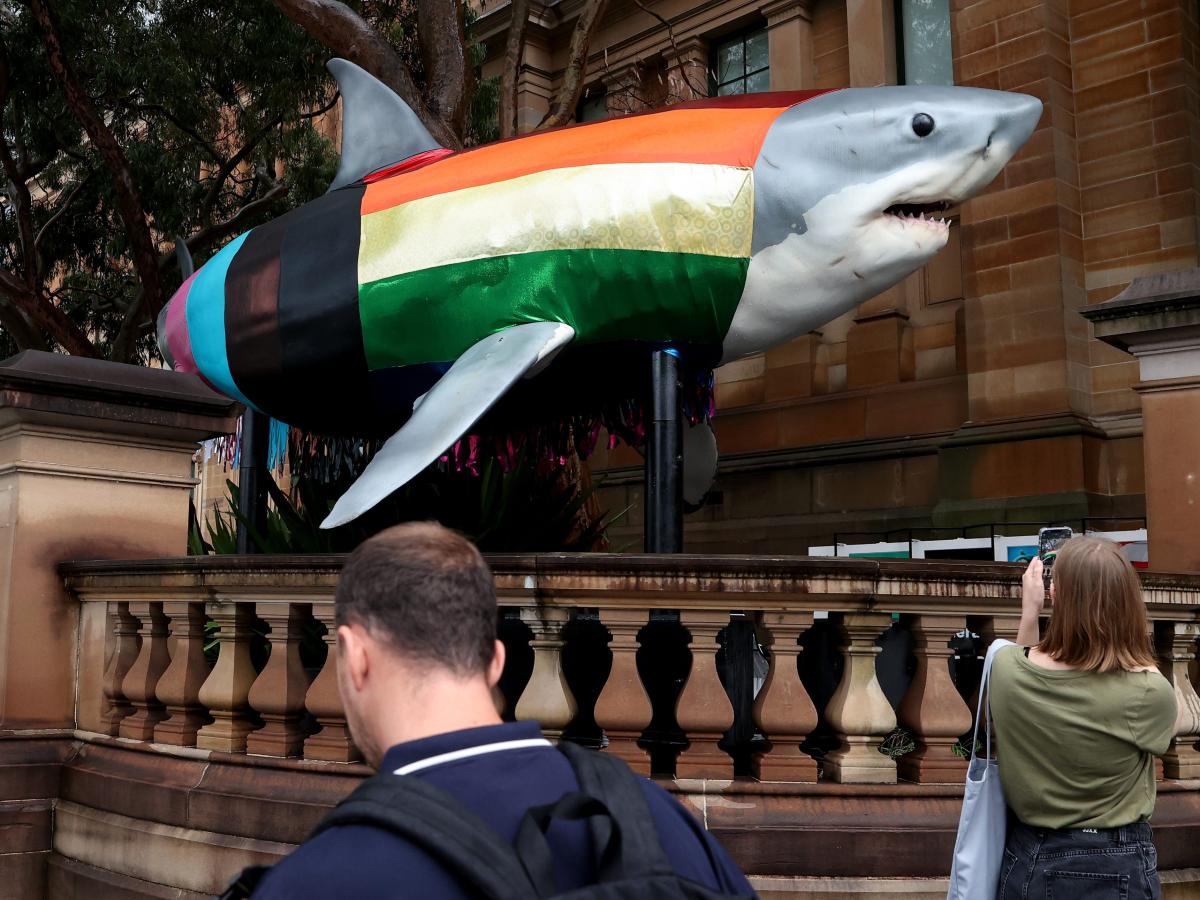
column 342, row 311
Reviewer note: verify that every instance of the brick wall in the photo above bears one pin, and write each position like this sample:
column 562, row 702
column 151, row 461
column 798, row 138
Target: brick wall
column 1135, row 79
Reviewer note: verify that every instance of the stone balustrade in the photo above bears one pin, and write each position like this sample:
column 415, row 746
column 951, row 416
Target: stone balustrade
column 267, row 685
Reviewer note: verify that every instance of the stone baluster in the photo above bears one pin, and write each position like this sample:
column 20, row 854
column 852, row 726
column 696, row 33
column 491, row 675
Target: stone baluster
column 179, row 688
column 142, row 678
column 623, row 708
column 333, row 741
column 125, row 643
column 989, row 628
column 278, row 692
column 225, row 691
column 704, row 711
column 858, row 711
column 783, row 711
column 547, row 699
column 932, row 708
column 1176, row 645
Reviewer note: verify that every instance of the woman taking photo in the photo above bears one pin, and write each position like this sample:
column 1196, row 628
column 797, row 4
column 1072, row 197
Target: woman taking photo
column 1079, row 716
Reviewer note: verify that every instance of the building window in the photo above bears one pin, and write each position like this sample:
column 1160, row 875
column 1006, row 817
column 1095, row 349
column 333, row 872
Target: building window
column 740, row 65
column 593, row 107
column 925, row 51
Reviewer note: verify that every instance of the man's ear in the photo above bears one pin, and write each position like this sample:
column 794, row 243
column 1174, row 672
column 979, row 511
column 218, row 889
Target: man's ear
column 496, row 666
column 353, row 654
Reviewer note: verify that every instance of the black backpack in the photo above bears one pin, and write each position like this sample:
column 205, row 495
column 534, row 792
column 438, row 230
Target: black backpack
column 630, row 862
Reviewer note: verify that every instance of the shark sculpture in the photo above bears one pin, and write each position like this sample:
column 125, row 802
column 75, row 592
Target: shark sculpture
column 426, row 283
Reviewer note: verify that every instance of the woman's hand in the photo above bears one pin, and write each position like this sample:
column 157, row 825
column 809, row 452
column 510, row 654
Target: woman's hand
column 1033, row 588
column 1033, row 598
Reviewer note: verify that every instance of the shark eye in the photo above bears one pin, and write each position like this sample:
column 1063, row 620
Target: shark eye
column 922, row 125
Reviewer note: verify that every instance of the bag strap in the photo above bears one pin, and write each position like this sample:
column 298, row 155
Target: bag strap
column 534, row 850
column 984, row 710
column 608, row 779
column 439, row 824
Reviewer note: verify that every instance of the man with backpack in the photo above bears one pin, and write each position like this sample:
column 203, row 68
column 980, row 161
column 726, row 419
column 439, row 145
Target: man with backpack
column 464, row 805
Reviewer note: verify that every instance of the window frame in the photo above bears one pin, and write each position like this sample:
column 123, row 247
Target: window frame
column 714, row 84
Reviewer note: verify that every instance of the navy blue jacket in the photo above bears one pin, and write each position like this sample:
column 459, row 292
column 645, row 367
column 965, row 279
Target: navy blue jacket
column 498, row 785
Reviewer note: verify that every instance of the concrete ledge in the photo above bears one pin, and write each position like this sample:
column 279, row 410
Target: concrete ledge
column 184, row 858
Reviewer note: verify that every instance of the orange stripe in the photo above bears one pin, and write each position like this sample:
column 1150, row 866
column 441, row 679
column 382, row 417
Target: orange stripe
column 727, row 137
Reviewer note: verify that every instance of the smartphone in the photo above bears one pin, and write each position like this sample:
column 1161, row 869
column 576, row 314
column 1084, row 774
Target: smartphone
column 1049, row 540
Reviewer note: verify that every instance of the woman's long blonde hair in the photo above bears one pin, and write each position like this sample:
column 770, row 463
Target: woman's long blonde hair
column 1098, row 618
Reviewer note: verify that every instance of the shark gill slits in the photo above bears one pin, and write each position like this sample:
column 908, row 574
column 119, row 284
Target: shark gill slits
column 922, row 125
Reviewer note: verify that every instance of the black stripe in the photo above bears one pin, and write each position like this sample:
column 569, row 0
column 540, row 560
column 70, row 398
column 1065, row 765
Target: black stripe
column 324, row 385
column 251, row 314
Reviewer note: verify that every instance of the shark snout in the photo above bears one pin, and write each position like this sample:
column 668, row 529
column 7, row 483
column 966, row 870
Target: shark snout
column 1017, row 115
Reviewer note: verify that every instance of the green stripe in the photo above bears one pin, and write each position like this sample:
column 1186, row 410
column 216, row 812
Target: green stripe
column 435, row 314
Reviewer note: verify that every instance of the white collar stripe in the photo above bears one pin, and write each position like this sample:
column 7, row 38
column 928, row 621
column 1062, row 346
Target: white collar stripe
column 469, row 752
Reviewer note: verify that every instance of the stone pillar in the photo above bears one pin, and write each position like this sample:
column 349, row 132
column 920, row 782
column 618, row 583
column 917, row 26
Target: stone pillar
column 790, row 44
column 179, row 688
column 142, row 677
column 932, row 708
column 687, row 70
column 333, row 741
column 278, row 692
column 123, row 651
column 225, row 693
column 95, row 461
column 704, row 711
column 871, row 33
column 623, row 709
column 547, row 699
column 1157, row 319
column 624, row 86
column 879, row 349
column 1176, row 645
column 534, row 83
column 859, row 711
column 783, row 710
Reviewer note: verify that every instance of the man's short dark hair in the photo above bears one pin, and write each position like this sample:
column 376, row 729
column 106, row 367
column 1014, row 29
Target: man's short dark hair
column 426, row 591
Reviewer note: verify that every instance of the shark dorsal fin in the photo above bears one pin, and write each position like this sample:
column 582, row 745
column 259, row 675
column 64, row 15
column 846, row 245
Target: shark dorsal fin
column 378, row 128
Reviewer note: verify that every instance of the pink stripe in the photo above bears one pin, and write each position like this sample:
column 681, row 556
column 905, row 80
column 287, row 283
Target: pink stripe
column 178, row 341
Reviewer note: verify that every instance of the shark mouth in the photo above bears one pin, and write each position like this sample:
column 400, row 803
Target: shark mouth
column 927, row 212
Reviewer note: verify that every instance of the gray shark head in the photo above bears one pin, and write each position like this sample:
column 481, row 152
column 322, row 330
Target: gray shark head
column 848, row 188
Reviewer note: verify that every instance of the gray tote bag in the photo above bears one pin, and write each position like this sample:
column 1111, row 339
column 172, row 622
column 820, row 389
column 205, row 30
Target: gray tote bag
column 983, row 824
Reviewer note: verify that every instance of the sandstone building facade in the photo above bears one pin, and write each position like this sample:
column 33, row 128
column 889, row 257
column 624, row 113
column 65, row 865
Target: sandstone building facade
column 973, row 393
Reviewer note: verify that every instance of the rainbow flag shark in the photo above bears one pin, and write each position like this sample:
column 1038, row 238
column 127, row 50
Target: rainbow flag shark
column 426, row 283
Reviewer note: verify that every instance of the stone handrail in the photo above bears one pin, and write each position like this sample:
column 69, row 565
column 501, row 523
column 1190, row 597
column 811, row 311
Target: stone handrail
column 143, row 673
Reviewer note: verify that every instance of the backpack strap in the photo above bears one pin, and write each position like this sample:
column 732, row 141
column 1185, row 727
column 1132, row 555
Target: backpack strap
column 439, row 824
column 607, row 778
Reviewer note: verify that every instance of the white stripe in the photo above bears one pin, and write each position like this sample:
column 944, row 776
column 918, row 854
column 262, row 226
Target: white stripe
column 469, row 752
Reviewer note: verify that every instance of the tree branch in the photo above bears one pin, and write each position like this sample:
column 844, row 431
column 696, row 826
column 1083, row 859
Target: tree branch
column 229, row 165
column 23, row 332
column 18, row 190
column 61, row 209
column 441, row 27
column 514, row 51
column 345, row 32
column 129, row 202
column 41, row 313
column 683, row 73
column 206, row 237
column 562, row 108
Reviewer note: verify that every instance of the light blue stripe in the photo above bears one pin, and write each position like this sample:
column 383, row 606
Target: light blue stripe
column 206, row 321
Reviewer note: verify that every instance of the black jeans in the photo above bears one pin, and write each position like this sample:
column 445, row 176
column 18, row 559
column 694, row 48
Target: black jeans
column 1074, row 864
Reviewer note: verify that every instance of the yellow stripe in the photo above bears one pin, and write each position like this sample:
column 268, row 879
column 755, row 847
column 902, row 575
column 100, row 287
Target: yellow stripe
column 670, row 207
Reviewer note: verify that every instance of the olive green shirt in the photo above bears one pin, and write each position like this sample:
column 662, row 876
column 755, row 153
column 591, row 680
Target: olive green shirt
column 1076, row 748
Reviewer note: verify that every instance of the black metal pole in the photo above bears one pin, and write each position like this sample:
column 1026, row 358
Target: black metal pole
column 664, row 457
column 252, row 469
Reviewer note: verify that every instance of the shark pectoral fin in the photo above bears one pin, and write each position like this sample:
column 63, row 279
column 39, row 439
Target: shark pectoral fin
column 378, row 127
column 469, row 388
column 699, row 462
